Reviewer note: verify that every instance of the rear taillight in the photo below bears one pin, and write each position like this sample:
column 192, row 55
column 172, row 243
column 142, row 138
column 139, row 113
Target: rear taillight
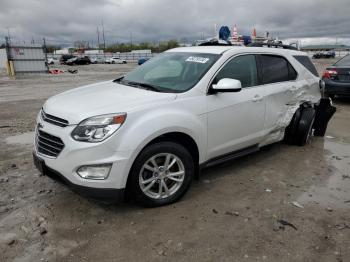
column 329, row 73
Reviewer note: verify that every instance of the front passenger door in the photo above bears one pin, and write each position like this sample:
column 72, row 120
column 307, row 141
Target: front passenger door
column 236, row 120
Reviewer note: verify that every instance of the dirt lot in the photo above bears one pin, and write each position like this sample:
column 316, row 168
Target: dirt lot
column 230, row 214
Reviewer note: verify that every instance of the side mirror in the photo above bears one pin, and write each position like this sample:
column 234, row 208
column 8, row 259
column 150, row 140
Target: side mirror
column 227, row 85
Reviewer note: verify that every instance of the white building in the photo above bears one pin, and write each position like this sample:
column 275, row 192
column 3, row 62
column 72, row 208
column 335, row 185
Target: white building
column 93, row 52
column 64, row 51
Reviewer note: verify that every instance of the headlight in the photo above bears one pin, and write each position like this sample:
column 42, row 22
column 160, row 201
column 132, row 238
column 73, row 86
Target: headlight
column 98, row 128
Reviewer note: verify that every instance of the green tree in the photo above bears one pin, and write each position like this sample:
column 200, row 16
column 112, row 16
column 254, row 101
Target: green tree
column 52, row 48
column 127, row 47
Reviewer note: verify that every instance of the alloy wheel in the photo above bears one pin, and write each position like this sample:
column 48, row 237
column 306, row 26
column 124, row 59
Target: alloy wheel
column 161, row 176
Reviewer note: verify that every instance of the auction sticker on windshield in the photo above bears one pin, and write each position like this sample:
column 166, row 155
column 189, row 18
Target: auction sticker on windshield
column 197, row 59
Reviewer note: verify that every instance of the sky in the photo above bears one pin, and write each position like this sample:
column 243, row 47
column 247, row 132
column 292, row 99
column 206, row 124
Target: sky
column 66, row 21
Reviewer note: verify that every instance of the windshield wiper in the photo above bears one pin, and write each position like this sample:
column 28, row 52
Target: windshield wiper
column 141, row 85
column 149, row 86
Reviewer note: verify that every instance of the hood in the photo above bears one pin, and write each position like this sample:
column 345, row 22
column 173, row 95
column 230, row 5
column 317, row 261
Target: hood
column 102, row 98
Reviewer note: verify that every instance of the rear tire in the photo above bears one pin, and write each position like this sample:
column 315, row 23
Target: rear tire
column 291, row 129
column 304, row 131
column 299, row 131
column 161, row 174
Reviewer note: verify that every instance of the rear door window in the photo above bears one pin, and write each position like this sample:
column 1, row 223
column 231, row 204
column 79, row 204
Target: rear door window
column 276, row 69
column 292, row 74
column 306, row 62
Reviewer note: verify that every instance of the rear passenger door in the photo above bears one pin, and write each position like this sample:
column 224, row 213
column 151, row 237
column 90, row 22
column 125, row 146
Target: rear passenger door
column 279, row 80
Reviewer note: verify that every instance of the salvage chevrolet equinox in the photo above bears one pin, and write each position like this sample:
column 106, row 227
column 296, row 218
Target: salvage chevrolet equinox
column 150, row 132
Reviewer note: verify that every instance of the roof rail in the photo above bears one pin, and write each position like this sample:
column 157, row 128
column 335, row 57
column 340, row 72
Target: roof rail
column 273, row 45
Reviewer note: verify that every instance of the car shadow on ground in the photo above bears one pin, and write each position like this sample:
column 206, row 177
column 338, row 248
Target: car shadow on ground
column 242, row 162
column 341, row 100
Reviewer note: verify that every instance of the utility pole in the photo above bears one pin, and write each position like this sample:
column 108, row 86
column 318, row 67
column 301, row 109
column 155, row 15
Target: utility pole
column 45, row 51
column 10, row 70
column 131, row 40
column 8, row 34
column 98, row 39
column 103, row 36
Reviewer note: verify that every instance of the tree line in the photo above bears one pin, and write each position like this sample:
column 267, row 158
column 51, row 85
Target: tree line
column 155, row 47
column 127, row 47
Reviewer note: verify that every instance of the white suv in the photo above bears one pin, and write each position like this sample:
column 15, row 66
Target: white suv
column 150, row 132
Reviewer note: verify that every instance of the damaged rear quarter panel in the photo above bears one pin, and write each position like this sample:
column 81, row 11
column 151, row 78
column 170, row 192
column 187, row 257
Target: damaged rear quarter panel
column 284, row 98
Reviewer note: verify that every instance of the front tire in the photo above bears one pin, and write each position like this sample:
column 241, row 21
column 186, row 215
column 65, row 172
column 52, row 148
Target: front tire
column 161, row 174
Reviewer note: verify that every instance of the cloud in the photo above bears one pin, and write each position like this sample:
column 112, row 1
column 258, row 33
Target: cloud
column 66, row 21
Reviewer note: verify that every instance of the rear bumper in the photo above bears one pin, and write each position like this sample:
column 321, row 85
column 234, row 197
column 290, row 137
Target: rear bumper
column 111, row 194
column 337, row 88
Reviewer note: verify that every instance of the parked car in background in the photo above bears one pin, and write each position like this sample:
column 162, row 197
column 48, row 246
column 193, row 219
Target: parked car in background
column 52, row 61
column 65, row 58
column 142, row 60
column 115, row 60
column 97, row 60
column 324, row 54
column 150, row 132
column 337, row 78
column 85, row 60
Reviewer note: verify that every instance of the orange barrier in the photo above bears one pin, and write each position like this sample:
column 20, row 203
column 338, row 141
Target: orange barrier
column 55, row 71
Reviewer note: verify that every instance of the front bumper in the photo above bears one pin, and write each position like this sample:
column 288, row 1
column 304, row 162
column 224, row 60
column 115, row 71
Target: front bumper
column 76, row 154
column 337, row 88
column 96, row 193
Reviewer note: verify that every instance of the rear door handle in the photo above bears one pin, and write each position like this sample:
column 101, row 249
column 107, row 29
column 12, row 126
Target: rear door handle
column 257, row 98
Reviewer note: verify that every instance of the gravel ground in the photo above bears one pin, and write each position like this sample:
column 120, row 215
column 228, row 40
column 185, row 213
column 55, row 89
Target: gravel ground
column 234, row 212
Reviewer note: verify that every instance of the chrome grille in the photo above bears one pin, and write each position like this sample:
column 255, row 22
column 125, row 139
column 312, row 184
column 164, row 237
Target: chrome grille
column 48, row 145
column 54, row 119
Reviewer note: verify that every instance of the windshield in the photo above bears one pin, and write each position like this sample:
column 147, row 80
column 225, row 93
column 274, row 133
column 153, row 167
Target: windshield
column 345, row 61
column 171, row 72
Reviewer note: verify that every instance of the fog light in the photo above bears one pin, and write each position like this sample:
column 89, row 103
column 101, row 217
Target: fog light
column 97, row 172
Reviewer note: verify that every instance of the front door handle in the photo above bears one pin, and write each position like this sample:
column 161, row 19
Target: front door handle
column 257, row 98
